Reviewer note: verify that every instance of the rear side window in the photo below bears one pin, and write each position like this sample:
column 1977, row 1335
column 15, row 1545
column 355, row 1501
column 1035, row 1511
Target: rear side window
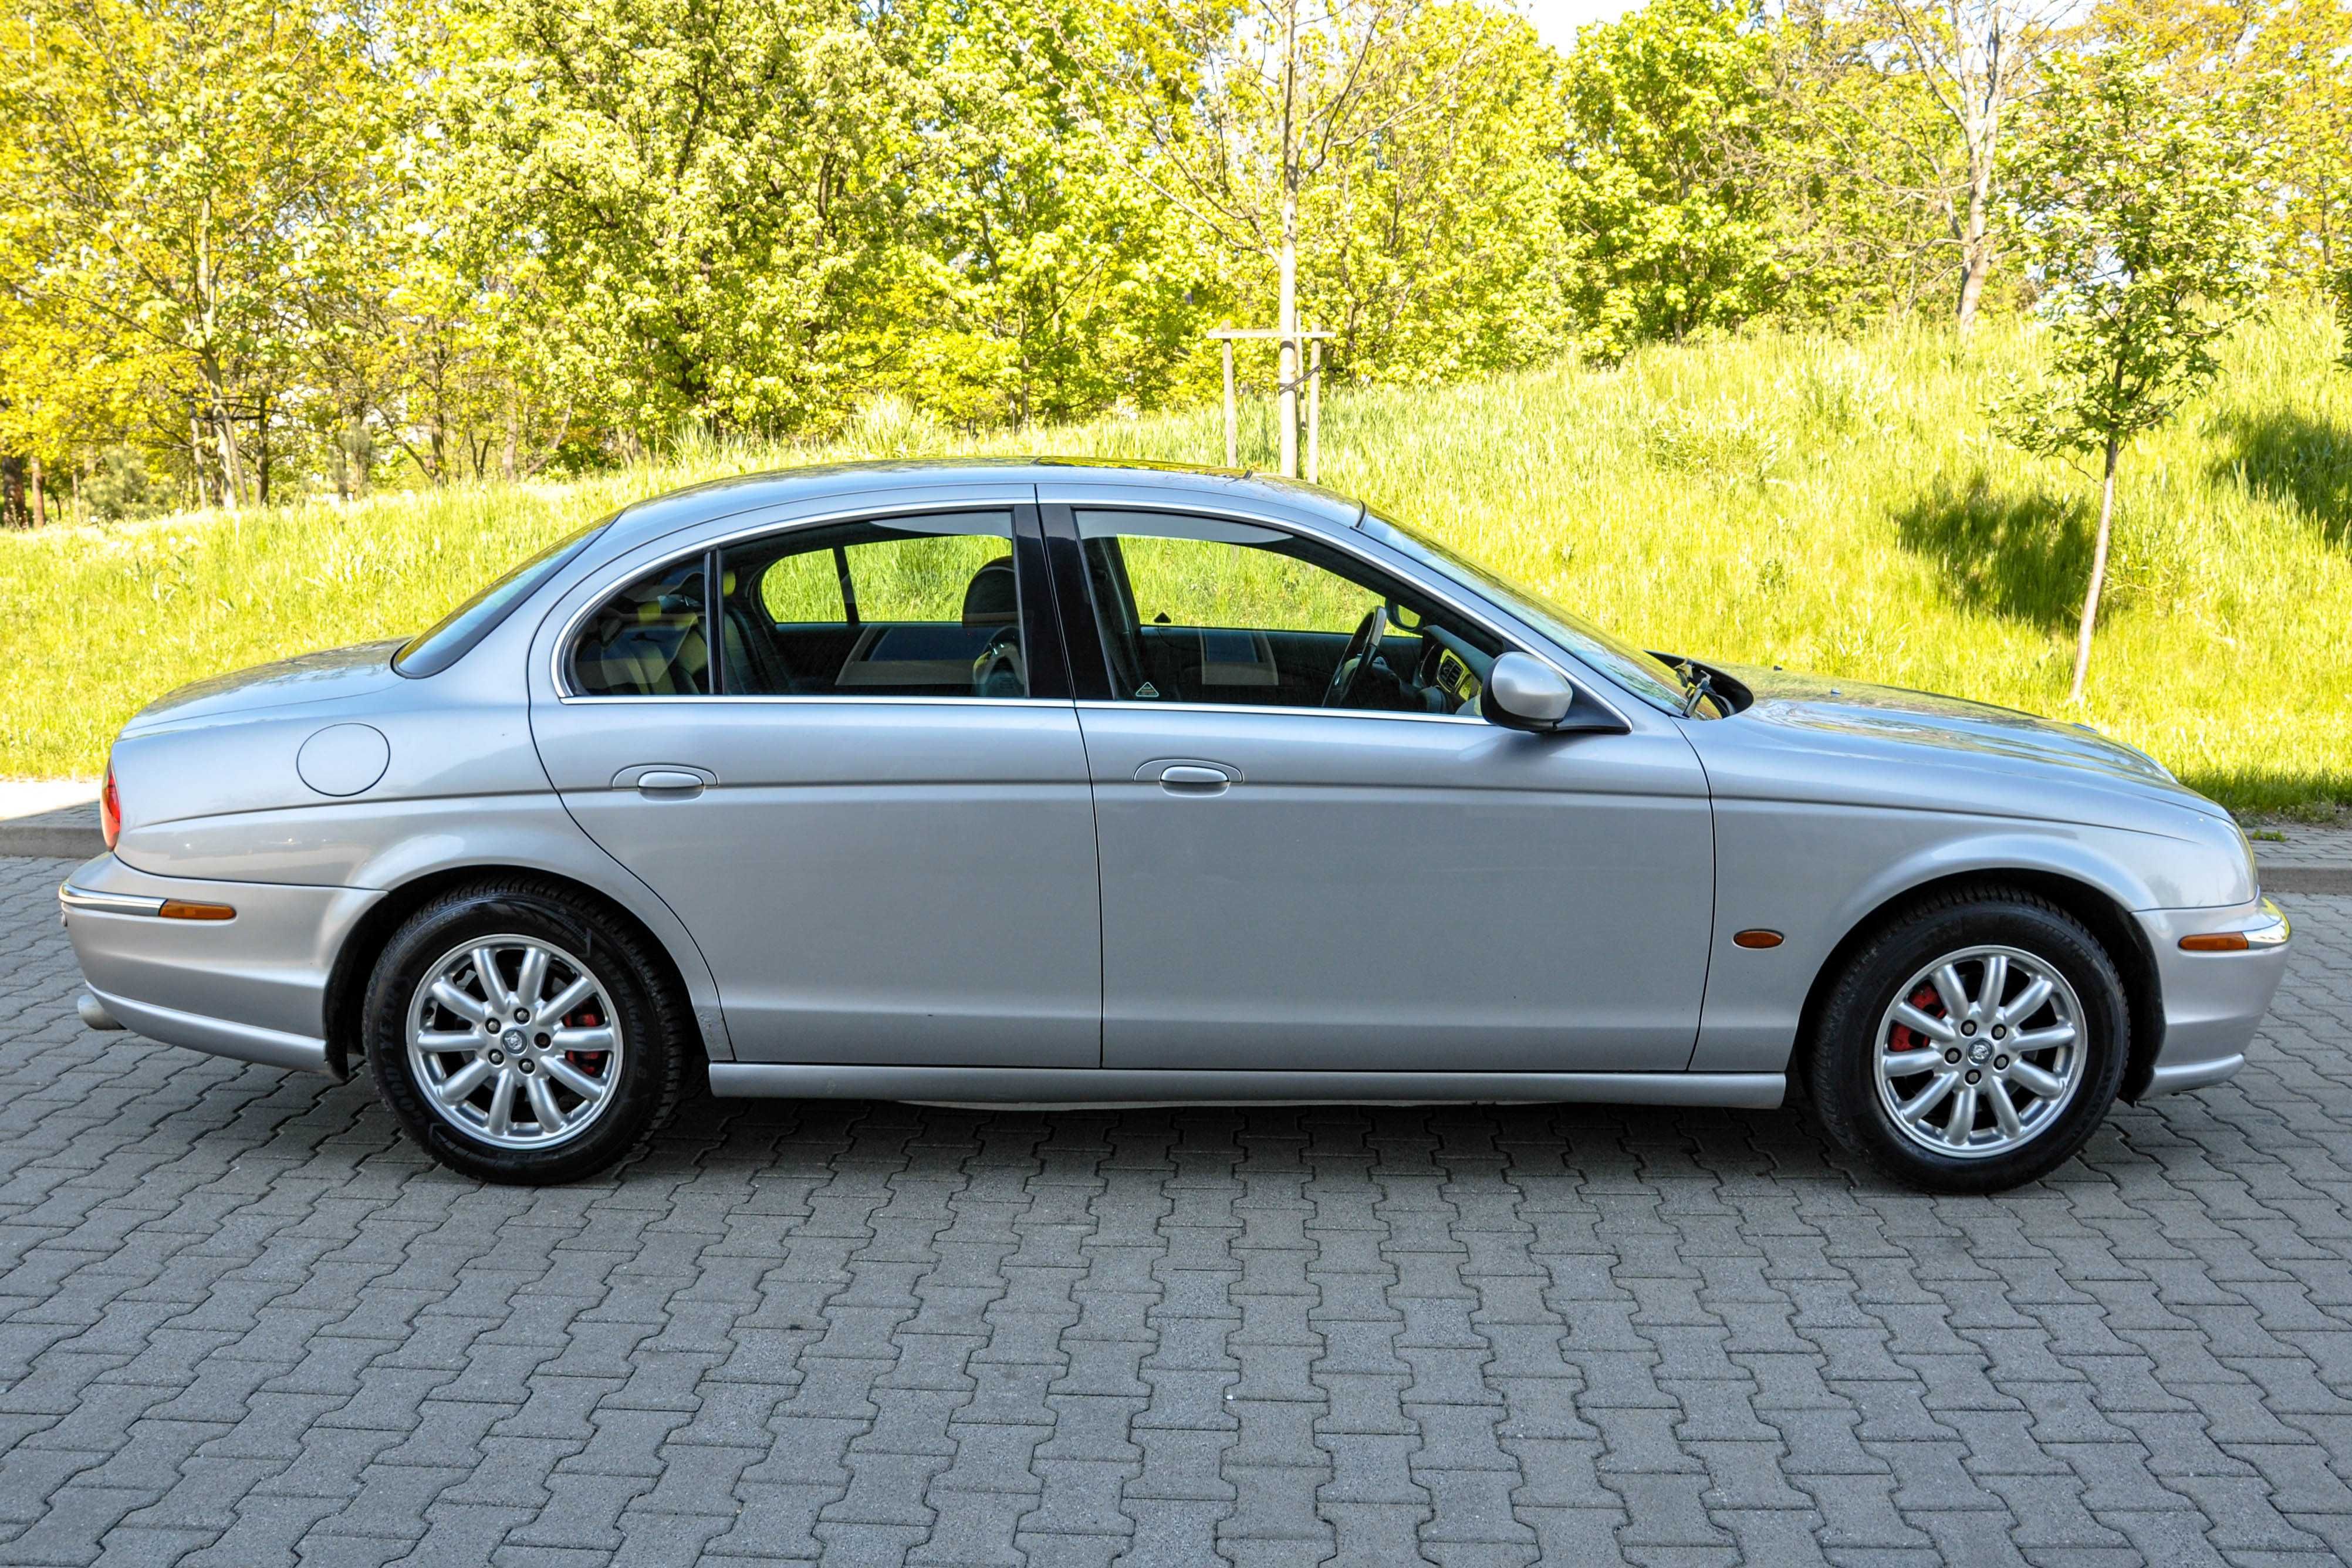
column 921, row 607
column 453, row 635
column 650, row 639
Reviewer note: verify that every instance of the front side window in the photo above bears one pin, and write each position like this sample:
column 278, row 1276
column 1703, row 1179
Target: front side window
column 902, row 606
column 1202, row 610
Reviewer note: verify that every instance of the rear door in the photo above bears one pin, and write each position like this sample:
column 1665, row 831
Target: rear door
column 845, row 754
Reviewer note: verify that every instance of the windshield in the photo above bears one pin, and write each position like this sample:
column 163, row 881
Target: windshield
column 1646, row 677
column 433, row 651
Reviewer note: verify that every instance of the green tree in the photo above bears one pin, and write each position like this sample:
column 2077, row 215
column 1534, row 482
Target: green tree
column 1442, row 250
column 1978, row 59
column 1860, row 168
column 1045, row 283
column 2141, row 212
column 1663, row 106
column 715, row 191
column 1250, row 111
column 174, row 168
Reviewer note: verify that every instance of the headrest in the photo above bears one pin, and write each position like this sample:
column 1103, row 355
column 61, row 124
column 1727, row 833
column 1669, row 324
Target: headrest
column 990, row 600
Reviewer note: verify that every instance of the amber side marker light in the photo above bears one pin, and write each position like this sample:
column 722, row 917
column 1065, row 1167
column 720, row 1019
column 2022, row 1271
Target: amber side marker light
column 181, row 909
column 2271, row 933
column 2214, row 941
column 1757, row 936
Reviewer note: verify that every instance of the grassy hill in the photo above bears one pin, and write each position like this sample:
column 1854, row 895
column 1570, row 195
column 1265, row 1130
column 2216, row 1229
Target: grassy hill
column 1831, row 505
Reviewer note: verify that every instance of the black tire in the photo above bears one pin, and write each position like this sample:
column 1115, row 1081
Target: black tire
column 655, row 1034
column 1841, row 1067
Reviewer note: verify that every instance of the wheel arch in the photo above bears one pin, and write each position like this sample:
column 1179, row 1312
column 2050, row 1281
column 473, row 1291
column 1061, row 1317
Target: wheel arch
column 347, row 981
column 2107, row 921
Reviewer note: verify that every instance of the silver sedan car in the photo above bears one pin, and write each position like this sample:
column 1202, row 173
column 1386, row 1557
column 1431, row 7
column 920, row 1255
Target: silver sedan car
column 1072, row 782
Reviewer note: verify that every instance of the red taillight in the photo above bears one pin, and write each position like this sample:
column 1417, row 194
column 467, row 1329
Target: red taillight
column 109, row 809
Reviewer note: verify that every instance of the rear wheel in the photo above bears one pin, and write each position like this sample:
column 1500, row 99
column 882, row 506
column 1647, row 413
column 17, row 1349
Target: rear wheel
column 521, row 1035
column 1973, row 1045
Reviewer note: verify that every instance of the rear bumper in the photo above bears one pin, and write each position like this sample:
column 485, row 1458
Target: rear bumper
column 253, row 987
column 2213, row 1002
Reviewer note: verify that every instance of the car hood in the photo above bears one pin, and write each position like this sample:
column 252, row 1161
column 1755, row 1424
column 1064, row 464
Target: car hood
column 309, row 678
column 1833, row 711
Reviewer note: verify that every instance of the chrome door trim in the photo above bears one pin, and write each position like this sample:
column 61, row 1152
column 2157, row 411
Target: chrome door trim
column 1146, row 1086
column 708, row 700
column 83, row 901
column 1099, row 704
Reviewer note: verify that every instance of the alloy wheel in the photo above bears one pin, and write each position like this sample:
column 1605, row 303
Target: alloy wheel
column 514, row 1042
column 1980, row 1052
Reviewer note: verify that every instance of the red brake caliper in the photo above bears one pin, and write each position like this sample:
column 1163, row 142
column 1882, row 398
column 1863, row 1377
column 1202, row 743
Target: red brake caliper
column 589, row 1062
column 1927, row 1002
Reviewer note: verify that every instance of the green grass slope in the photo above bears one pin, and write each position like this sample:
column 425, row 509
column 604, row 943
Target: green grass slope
column 1829, row 505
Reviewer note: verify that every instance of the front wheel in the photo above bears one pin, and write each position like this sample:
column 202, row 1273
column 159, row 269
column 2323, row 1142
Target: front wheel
column 1972, row 1045
column 520, row 1035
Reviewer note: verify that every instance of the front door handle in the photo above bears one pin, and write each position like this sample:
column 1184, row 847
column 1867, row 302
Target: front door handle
column 669, row 784
column 1187, row 778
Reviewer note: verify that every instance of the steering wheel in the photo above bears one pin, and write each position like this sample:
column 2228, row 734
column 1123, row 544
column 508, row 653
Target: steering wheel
column 1357, row 657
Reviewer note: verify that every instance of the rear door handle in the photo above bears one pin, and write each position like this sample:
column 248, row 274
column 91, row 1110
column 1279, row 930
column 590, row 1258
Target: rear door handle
column 669, row 784
column 1187, row 778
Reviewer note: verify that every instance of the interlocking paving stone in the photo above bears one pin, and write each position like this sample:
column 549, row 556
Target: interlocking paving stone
column 242, row 1323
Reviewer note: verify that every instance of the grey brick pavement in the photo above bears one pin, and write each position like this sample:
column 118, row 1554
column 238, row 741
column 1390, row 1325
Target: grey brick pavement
column 241, row 1323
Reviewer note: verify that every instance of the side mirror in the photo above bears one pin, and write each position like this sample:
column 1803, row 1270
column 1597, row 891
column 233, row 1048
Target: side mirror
column 1525, row 693
column 1522, row 692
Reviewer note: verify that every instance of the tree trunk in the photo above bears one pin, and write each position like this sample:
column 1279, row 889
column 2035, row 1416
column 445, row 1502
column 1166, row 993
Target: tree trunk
column 232, row 468
column 1288, row 402
column 1976, row 237
column 511, row 449
column 2098, row 574
column 1286, row 391
column 33, row 487
column 351, row 479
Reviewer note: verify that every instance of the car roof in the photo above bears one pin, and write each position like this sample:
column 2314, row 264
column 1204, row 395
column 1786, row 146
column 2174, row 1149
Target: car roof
column 660, row 515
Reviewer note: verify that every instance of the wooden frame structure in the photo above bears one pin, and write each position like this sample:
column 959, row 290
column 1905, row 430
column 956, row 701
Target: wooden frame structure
column 1307, row 346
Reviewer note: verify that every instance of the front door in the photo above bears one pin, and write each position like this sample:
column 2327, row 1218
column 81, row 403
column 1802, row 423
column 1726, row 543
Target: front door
column 845, row 756
column 1316, row 855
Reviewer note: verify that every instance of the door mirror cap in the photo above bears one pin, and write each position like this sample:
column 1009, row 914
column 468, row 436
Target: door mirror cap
column 1522, row 692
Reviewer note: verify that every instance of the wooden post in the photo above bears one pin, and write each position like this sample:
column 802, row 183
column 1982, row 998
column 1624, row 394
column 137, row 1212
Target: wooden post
column 1233, row 428
column 1314, row 410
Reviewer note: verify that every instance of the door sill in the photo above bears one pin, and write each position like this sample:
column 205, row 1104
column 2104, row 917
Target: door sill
column 1108, row 1087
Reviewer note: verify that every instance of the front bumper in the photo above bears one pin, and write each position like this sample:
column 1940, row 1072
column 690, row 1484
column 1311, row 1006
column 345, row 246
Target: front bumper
column 2213, row 1002
column 253, row 987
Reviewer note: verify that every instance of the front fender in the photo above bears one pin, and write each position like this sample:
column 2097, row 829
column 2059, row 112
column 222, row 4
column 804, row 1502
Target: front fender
column 1815, row 873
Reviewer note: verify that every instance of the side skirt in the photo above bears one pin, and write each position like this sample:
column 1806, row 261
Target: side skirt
column 1102, row 1086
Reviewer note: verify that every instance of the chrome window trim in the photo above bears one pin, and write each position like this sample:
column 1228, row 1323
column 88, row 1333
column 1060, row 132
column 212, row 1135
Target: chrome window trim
column 1115, row 704
column 707, row 699
column 1444, row 590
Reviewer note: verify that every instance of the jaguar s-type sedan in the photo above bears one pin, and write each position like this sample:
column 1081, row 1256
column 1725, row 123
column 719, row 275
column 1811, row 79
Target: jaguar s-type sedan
column 1066, row 782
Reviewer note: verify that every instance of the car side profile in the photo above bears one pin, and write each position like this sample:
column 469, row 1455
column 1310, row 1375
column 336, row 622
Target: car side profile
column 1060, row 781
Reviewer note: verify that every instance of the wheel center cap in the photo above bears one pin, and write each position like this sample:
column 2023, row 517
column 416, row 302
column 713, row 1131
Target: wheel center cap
column 512, row 1039
column 1981, row 1051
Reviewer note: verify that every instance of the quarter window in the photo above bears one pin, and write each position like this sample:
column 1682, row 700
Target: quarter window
column 650, row 639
